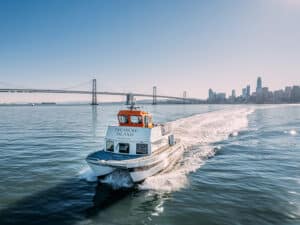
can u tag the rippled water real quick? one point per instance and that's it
(241, 166)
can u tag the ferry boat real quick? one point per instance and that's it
(137, 146)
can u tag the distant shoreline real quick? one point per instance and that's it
(121, 103)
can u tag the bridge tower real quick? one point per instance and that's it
(94, 92)
(154, 95)
(129, 99)
(184, 97)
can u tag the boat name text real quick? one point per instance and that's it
(125, 132)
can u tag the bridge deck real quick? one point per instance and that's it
(8, 90)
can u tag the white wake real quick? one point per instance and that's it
(198, 133)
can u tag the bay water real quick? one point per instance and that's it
(241, 165)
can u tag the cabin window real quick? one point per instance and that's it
(123, 147)
(123, 119)
(141, 148)
(136, 119)
(109, 145)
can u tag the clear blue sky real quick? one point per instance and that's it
(132, 45)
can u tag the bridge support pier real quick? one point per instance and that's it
(94, 92)
(154, 102)
(129, 99)
(184, 97)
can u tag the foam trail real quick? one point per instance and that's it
(198, 133)
(118, 179)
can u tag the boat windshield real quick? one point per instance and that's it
(136, 119)
(123, 119)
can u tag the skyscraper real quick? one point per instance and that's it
(258, 85)
(248, 91)
(210, 94)
(244, 92)
(233, 95)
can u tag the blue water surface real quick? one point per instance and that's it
(254, 178)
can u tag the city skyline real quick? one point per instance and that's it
(261, 94)
(133, 46)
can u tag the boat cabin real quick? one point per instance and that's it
(135, 134)
(135, 118)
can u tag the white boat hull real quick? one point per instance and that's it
(140, 168)
(100, 170)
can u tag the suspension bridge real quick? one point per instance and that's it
(94, 93)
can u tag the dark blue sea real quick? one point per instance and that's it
(241, 165)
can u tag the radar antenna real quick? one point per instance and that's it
(132, 105)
